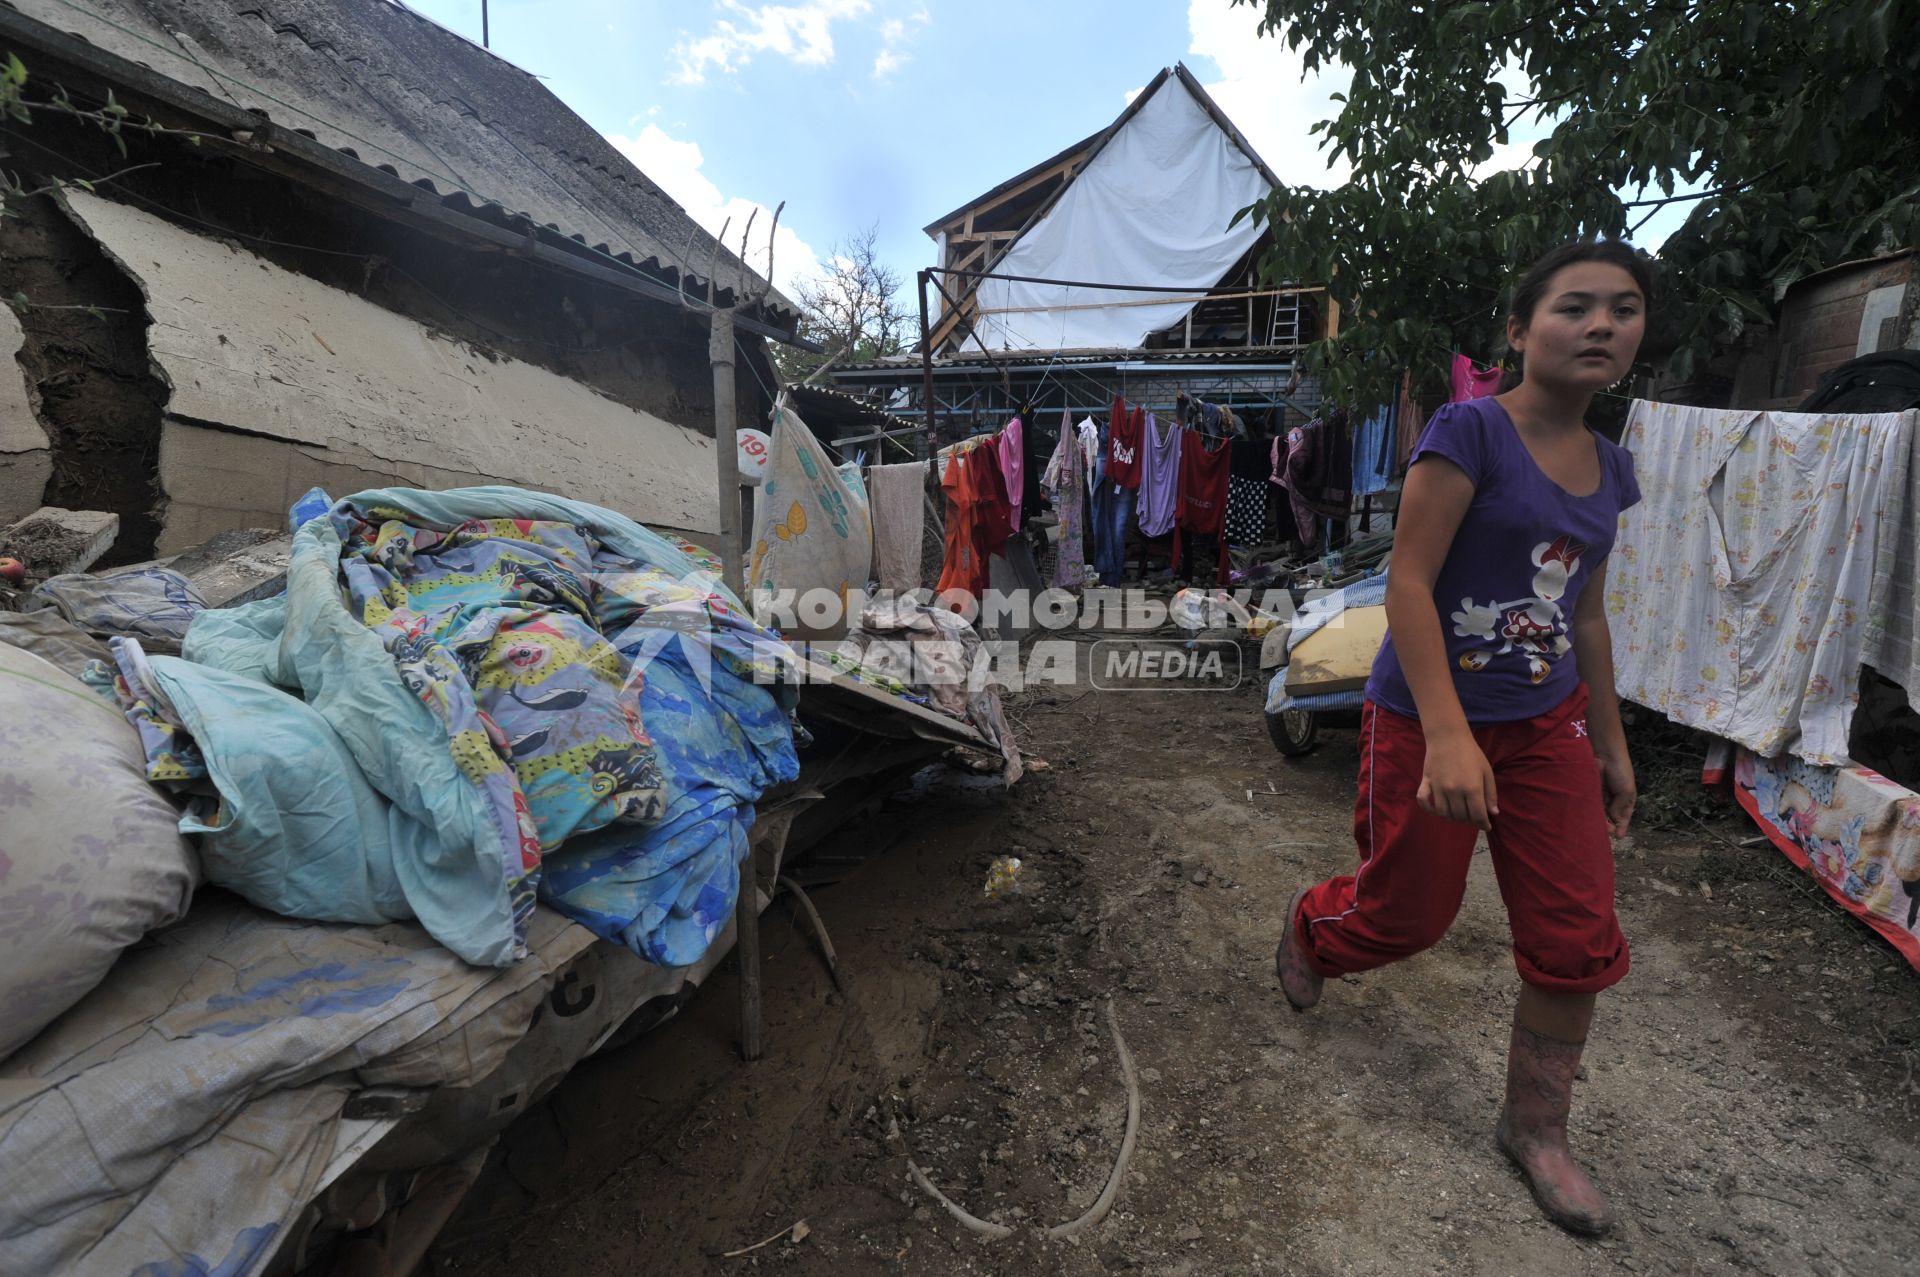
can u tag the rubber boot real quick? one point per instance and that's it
(1533, 1131)
(1298, 980)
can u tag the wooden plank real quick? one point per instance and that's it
(1060, 170)
(746, 921)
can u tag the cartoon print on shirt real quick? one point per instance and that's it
(1536, 626)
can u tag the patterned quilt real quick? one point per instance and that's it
(604, 713)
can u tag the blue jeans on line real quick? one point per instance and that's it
(1113, 516)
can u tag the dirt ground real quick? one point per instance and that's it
(1749, 1103)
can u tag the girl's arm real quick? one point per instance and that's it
(1457, 783)
(1593, 657)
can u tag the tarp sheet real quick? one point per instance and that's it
(182, 1114)
(1151, 208)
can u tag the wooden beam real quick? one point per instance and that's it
(970, 258)
(1060, 170)
(962, 264)
(982, 236)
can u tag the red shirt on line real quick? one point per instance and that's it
(1125, 432)
(1205, 466)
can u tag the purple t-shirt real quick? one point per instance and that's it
(1524, 551)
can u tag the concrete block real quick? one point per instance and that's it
(237, 567)
(51, 541)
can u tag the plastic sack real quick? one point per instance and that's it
(91, 856)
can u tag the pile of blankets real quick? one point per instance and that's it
(468, 700)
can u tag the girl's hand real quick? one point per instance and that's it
(1457, 784)
(1618, 791)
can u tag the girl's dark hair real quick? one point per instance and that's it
(1532, 287)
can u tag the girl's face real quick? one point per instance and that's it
(1585, 331)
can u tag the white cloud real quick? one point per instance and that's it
(895, 35)
(1262, 92)
(676, 165)
(802, 33)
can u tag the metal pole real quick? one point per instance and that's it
(486, 33)
(926, 361)
(726, 448)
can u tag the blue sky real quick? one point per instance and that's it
(886, 112)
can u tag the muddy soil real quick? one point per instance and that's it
(1749, 1100)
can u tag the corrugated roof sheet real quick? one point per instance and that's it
(398, 92)
(837, 406)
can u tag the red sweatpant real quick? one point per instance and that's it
(1551, 855)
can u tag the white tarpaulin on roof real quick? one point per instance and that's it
(1151, 208)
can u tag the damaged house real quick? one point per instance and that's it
(343, 247)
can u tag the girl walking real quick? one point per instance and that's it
(1491, 706)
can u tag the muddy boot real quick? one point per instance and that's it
(1533, 1131)
(1299, 981)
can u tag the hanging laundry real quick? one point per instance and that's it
(1334, 496)
(1123, 445)
(1470, 381)
(1159, 477)
(1247, 486)
(1065, 487)
(811, 528)
(1113, 508)
(1114, 502)
(1089, 452)
(1318, 470)
(1205, 467)
(1409, 421)
(898, 493)
(1246, 511)
(1303, 443)
(1211, 424)
(1010, 446)
(978, 516)
(1373, 452)
(1741, 587)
